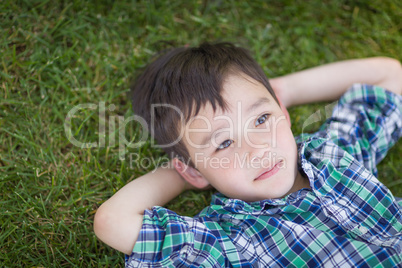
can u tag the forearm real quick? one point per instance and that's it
(118, 221)
(153, 189)
(328, 82)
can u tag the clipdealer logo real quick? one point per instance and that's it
(114, 128)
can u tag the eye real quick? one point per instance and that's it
(261, 120)
(225, 144)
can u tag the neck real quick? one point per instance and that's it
(300, 183)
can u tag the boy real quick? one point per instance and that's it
(282, 203)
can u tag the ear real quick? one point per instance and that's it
(190, 174)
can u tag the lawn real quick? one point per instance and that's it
(65, 73)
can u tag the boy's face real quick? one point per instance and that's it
(247, 152)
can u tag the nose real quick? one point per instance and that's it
(257, 142)
(257, 153)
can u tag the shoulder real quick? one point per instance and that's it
(365, 123)
(365, 112)
(363, 105)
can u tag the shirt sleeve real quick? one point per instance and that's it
(366, 122)
(167, 239)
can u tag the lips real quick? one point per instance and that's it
(272, 171)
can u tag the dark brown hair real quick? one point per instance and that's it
(188, 78)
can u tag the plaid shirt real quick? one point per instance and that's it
(347, 218)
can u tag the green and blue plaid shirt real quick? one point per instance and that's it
(347, 219)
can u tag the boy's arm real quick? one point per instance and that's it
(328, 82)
(118, 221)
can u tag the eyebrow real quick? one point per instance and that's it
(257, 104)
(209, 136)
(249, 109)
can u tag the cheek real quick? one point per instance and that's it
(222, 166)
(284, 133)
(220, 171)
(288, 147)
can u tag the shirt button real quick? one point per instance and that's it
(363, 229)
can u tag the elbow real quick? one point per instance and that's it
(398, 77)
(117, 228)
(102, 223)
(106, 226)
(106, 223)
(393, 78)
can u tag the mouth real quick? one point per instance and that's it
(267, 174)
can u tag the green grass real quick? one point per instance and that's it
(56, 55)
